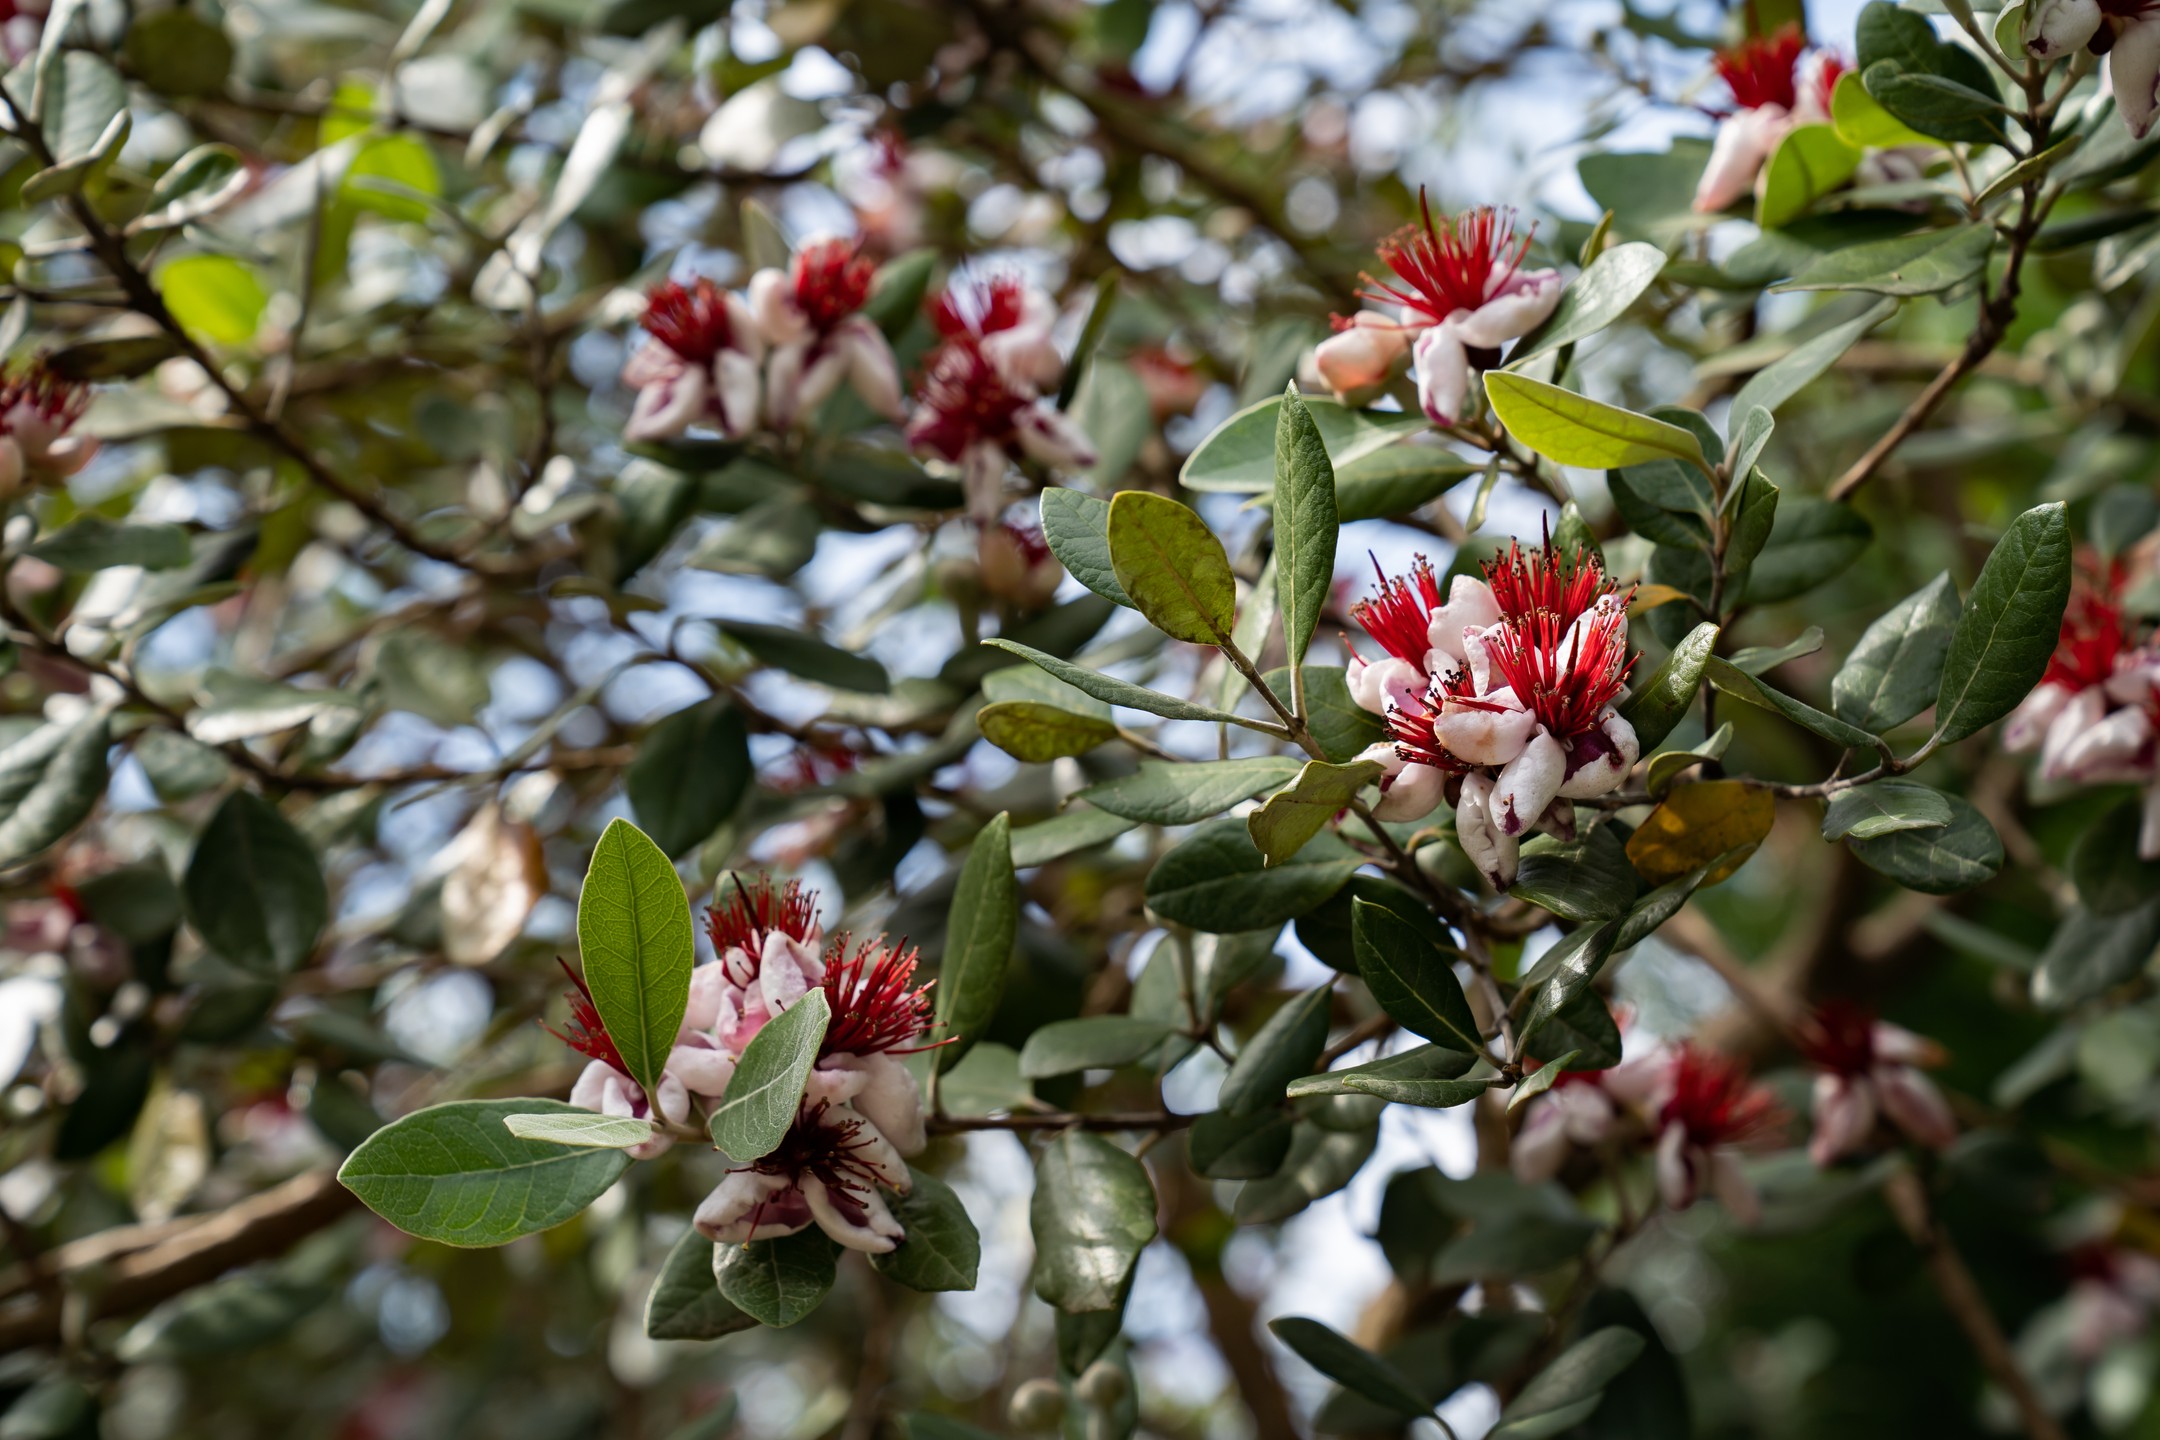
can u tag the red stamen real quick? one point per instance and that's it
(2094, 630)
(1839, 1037)
(827, 1150)
(56, 401)
(1399, 617)
(1762, 69)
(831, 280)
(1713, 1098)
(961, 400)
(1448, 265)
(875, 1008)
(588, 1035)
(979, 307)
(753, 912)
(690, 320)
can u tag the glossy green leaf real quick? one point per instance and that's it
(1091, 1042)
(1240, 455)
(1339, 725)
(1940, 860)
(1538, 1081)
(806, 657)
(1567, 1392)
(1743, 686)
(979, 933)
(1895, 670)
(1660, 701)
(634, 940)
(1351, 1365)
(1321, 1161)
(1397, 480)
(1224, 1146)
(1922, 264)
(1037, 733)
(254, 890)
(1172, 566)
(1884, 808)
(1412, 978)
(2105, 866)
(1076, 526)
(598, 1132)
(943, 1250)
(216, 298)
(1606, 290)
(1809, 163)
(778, 1282)
(1565, 972)
(1118, 692)
(1080, 827)
(1215, 880)
(2090, 954)
(1093, 1213)
(454, 1173)
(685, 1302)
(2001, 643)
(1792, 372)
(1165, 792)
(1305, 523)
(1861, 120)
(1588, 878)
(1293, 815)
(1810, 542)
(691, 771)
(1418, 1066)
(762, 1097)
(92, 542)
(1573, 429)
(1286, 1047)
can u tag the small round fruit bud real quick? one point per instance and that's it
(1036, 1405)
(1101, 1385)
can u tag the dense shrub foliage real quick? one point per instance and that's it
(939, 717)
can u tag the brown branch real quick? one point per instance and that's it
(256, 1228)
(1909, 1202)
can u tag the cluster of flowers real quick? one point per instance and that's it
(1778, 85)
(38, 411)
(1702, 1114)
(771, 355)
(861, 1111)
(2126, 31)
(983, 398)
(2095, 715)
(1499, 698)
(1462, 295)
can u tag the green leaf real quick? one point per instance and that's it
(1587, 878)
(1119, 692)
(50, 781)
(1351, 1365)
(1396, 481)
(393, 176)
(2001, 644)
(1240, 455)
(1300, 810)
(1321, 1161)
(691, 771)
(254, 891)
(1173, 567)
(1223, 1146)
(634, 941)
(1938, 105)
(92, 542)
(123, 357)
(592, 1132)
(1669, 765)
(1093, 1213)
(1404, 1072)
(2104, 863)
(1573, 429)
(1091, 334)
(2092, 954)
(1941, 860)
(942, 1250)
(216, 298)
(1759, 660)
(1809, 163)
(1922, 264)
(1305, 524)
(762, 1097)
(778, 1282)
(1339, 725)
(453, 1173)
(1583, 1031)
(1861, 120)
(1888, 34)
(237, 1312)
(1411, 978)
(1810, 541)
(1538, 1081)
(1884, 808)
(1606, 290)
(1567, 1392)
(1651, 194)
(1215, 880)
(1895, 670)
(807, 657)
(1170, 792)
(1091, 1042)
(1743, 686)
(1081, 827)
(979, 933)
(685, 1302)
(1660, 701)
(1285, 1048)
(1037, 733)
(82, 97)
(1565, 971)
(1077, 528)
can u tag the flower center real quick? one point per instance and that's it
(1840, 1038)
(690, 320)
(41, 391)
(2093, 634)
(1763, 70)
(963, 400)
(876, 1009)
(832, 279)
(1399, 617)
(588, 1034)
(1449, 265)
(979, 307)
(1712, 1099)
(755, 911)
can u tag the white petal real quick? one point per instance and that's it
(1541, 1147)
(725, 1216)
(590, 1091)
(1443, 373)
(708, 983)
(1915, 1106)
(871, 368)
(666, 408)
(743, 327)
(703, 1069)
(11, 466)
(1528, 784)
(1478, 736)
(1470, 605)
(1732, 1187)
(2134, 72)
(1738, 154)
(1494, 853)
(1377, 684)
(651, 362)
(2111, 750)
(2030, 721)
(2069, 725)
(1050, 437)
(1416, 792)
(2149, 828)
(773, 311)
(1516, 309)
(877, 1233)
(1675, 1173)
(891, 1100)
(736, 382)
(1844, 1111)
(1602, 772)
(1356, 363)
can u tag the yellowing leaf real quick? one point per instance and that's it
(1698, 823)
(1573, 429)
(214, 297)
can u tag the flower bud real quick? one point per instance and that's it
(1036, 1405)
(1102, 1385)
(2056, 27)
